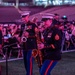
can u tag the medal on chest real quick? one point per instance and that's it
(49, 35)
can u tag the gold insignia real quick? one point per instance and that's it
(52, 46)
(57, 37)
(49, 35)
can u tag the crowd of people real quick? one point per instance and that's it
(46, 36)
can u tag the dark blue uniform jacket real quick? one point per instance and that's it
(53, 40)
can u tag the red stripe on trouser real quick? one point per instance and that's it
(31, 66)
(48, 67)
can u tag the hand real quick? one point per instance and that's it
(26, 34)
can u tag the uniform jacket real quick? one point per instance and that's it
(31, 40)
(53, 40)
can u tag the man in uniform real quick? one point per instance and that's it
(51, 49)
(27, 35)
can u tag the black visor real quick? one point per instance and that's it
(44, 19)
(23, 16)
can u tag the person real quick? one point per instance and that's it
(1, 42)
(28, 41)
(35, 20)
(56, 19)
(51, 48)
(6, 50)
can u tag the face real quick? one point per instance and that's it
(56, 17)
(26, 18)
(47, 23)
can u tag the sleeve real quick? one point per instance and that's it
(57, 39)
